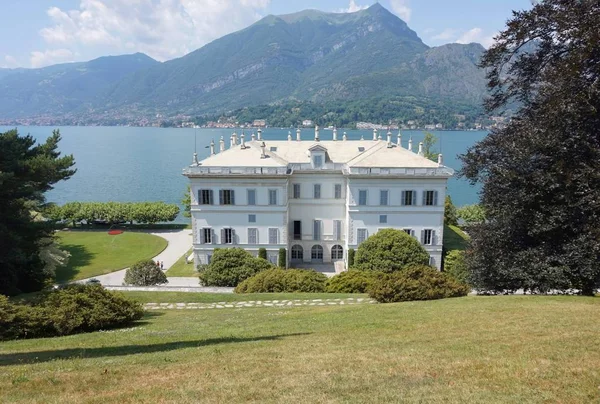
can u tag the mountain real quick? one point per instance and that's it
(309, 55)
(62, 88)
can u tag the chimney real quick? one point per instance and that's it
(259, 134)
(374, 134)
(316, 133)
(253, 136)
(263, 154)
(212, 147)
(344, 137)
(334, 134)
(440, 160)
(399, 139)
(289, 136)
(298, 134)
(221, 145)
(389, 139)
(421, 149)
(243, 141)
(410, 144)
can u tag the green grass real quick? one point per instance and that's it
(95, 252)
(505, 349)
(454, 238)
(181, 268)
(192, 297)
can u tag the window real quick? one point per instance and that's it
(317, 230)
(317, 191)
(272, 197)
(337, 191)
(383, 197)
(427, 236)
(382, 218)
(316, 253)
(252, 197)
(227, 236)
(361, 235)
(409, 198)
(318, 161)
(273, 236)
(251, 218)
(430, 198)
(297, 253)
(273, 148)
(337, 229)
(297, 230)
(337, 252)
(408, 231)
(252, 236)
(273, 258)
(226, 197)
(206, 235)
(296, 191)
(205, 197)
(362, 197)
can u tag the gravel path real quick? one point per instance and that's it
(259, 303)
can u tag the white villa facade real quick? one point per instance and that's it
(314, 198)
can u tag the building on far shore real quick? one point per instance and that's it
(315, 198)
(307, 123)
(259, 123)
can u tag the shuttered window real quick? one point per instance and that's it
(317, 230)
(317, 191)
(427, 237)
(272, 197)
(252, 197)
(205, 197)
(383, 197)
(362, 197)
(409, 198)
(206, 235)
(361, 235)
(227, 236)
(296, 191)
(337, 229)
(430, 198)
(337, 191)
(273, 236)
(252, 236)
(226, 197)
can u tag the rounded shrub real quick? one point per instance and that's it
(262, 253)
(145, 273)
(389, 250)
(417, 282)
(230, 266)
(455, 266)
(284, 280)
(351, 281)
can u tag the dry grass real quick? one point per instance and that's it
(473, 349)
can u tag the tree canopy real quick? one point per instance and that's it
(389, 250)
(540, 174)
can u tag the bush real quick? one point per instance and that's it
(455, 266)
(230, 266)
(389, 250)
(351, 253)
(262, 253)
(73, 309)
(418, 282)
(145, 273)
(281, 261)
(284, 280)
(351, 282)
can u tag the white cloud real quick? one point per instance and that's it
(401, 8)
(163, 29)
(9, 62)
(476, 35)
(352, 8)
(445, 35)
(50, 57)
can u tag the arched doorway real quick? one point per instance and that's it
(297, 253)
(316, 254)
(337, 252)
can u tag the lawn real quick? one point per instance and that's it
(95, 252)
(193, 297)
(181, 268)
(454, 238)
(506, 349)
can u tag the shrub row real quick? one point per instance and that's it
(73, 309)
(114, 212)
(277, 280)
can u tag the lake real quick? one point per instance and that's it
(144, 164)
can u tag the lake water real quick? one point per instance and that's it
(144, 164)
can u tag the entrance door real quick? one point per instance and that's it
(316, 254)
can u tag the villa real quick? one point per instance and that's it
(314, 198)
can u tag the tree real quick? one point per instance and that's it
(27, 171)
(187, 202)
(428, 142)
(230, 266)
(450, 216)
(145, 273)
(455, 265)
(389, 250)
(262, 253)
(540, 174)
(471, 214)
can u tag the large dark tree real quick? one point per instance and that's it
(27, 171)
(541, 173)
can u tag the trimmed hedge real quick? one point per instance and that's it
(73, 309)
(281, 261)
(230, 266)
(351, 281)
(351, 253)
(284, 280)
(145, 273)
(262, 253)
(389, 250)
(455, 266)
(419, 282)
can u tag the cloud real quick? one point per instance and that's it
(476, 35)
(352, 8)
(445, 35)
(9, 62)
(401, 8)
(163, 29)
(50, 57)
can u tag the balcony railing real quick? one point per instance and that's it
(418, 172)
(203, 170)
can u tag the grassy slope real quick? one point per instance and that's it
(475, 349)
(454, 238)
(181, 268)
(188, 297)
(95, 252)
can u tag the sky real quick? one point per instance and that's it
(38, 33)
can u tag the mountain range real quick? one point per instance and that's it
(309, 55)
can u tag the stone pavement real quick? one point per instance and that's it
(259, 303)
